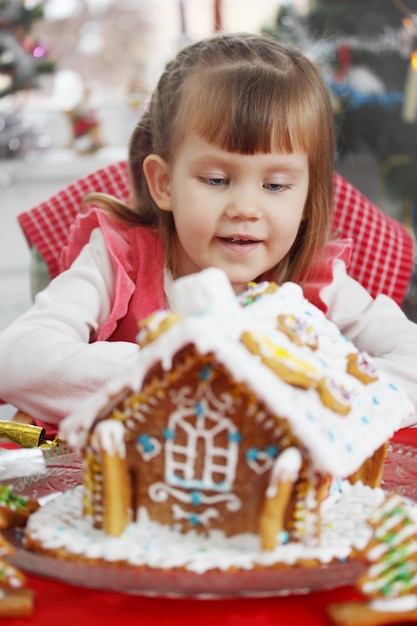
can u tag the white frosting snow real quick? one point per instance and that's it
(61, 524)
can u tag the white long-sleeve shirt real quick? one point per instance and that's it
(47, 364)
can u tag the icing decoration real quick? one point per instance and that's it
(10, 499)
(148, 447)
(299, 330)
(260, 461)
(286, 469)
(391, 552)
(109, 436)
(179, 458)
(361, 365)
(335, 395)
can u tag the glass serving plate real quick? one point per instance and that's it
(64, 472)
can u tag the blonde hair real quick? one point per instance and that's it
(245, 93)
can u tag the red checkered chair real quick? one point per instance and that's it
(382, 257)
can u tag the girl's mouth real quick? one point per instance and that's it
(240, 245)
(241, 241)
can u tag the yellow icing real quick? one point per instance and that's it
(281, 353)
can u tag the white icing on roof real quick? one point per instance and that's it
(214, 321)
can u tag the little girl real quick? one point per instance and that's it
(232, 167)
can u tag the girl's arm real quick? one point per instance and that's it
(377, 326)
(47, 364)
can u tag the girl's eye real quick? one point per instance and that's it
(214, 181)
(276, 187)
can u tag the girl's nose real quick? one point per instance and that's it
(243, 204)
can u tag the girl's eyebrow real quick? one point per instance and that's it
(280, 161)
(290, 168)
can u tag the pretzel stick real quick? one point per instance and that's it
(361, 614)
(16, 602)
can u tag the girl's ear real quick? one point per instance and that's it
(157, 176)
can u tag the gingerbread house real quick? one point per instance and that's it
(239, 415)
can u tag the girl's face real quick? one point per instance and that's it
(237, 212)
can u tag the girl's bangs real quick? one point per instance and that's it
(247, 110)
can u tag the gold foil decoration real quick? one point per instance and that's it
(47, 444)
(25, 435)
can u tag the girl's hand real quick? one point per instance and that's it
(22, 418)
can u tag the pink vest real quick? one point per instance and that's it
(321, 271)
(137, 255)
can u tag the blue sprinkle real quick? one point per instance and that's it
(205, 372)
(375, 400)
(236, 437)
(193, 519)
(196, 498)
(336, 487)
(145, 442)
(199, 411)
(252, 454)
(168, 433)
(284, 537)
(364, 419)
(394, 387)
(272, 451)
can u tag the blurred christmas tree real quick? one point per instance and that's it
(364, 49)
(22, 58)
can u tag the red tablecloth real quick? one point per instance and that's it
(59, 604)
(63, 605)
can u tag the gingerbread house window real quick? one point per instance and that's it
(196, 433)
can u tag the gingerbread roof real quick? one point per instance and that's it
(249, 336)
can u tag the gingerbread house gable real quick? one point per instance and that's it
(200, 448)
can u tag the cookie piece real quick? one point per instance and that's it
(299, 330)
(361, 365)
(334, 396)
(155, 325)
(291, 368)
(14, 509)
